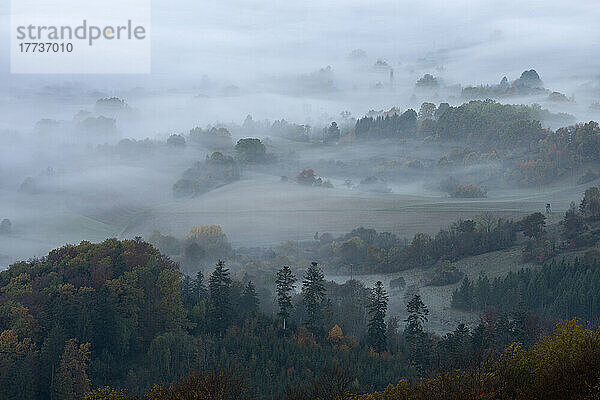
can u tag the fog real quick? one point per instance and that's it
(65, 178)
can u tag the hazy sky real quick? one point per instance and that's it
(269, 50)
(241, 41)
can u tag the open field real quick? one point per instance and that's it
(262, 211)
(257, 211)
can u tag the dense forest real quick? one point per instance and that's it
(480, 123)
(559, 290)
(120, 314)
(563, 365)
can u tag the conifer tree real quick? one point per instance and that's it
(414, 333)
(481, 292)
(220, 298)
(377, 306)
(313, 296)
(286, 282)
(417, 314)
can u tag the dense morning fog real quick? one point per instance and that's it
(300, 200)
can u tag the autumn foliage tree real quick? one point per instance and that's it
(72, 381)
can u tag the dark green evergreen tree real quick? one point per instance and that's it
(313, 296)
(415, 335)
(220, 299)
(417, 314)
(286, 282)
(195, 297)
(378, 301)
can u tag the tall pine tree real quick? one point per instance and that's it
(220, 299)
(416, 337)
(313, 296)
(286, 282)
(378, 301)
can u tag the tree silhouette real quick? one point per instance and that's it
(220, 298)
(416, 337)
(286, 282)
(313, 294)
(333, 132)
(199, 289)
(378, 301)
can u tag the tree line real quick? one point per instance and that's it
(370, 251)
(559, 290)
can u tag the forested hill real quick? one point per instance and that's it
(108, 301)
(119, 313)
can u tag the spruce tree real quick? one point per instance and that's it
(313, 296)
(415, 335)
(187, 292)
(378, 301)
(286, 282)
(220, 298)
(417, 314)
